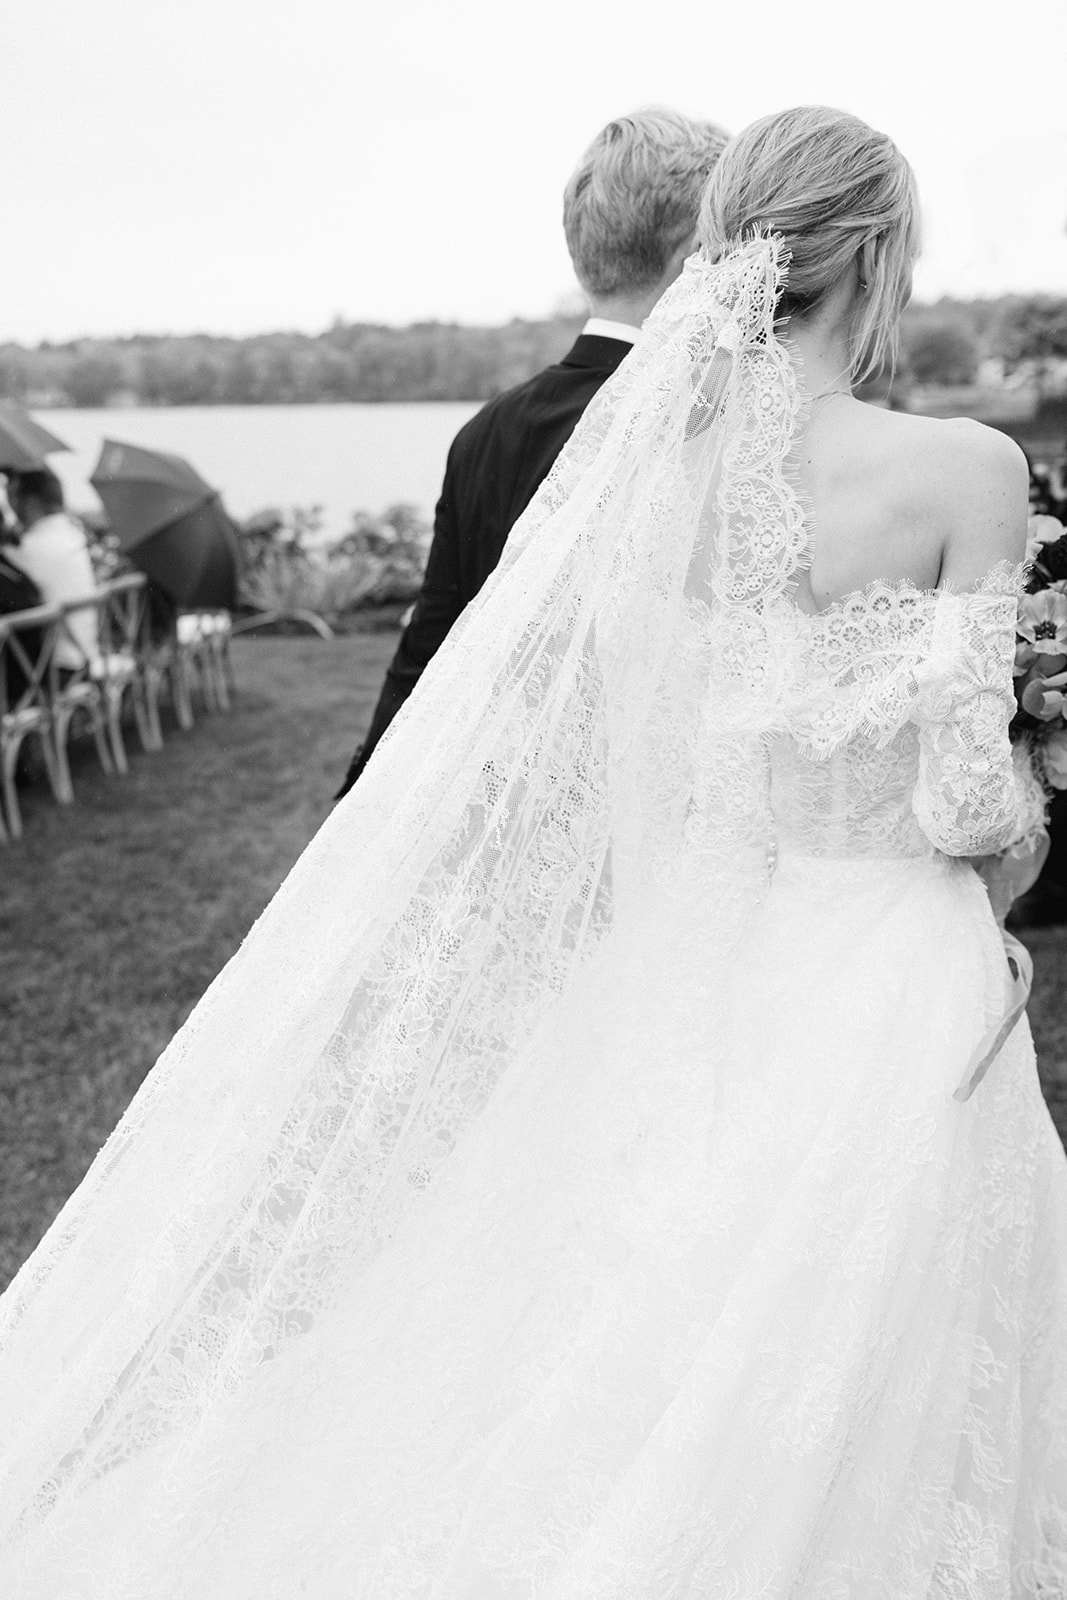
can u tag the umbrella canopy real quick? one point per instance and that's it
(23, 442)
(170, 522)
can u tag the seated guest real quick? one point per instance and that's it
(18, 592)
(54, 551)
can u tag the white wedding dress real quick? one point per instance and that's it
(705, 1282)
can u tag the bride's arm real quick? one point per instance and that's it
(967, 799)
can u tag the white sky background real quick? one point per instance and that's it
(244, 165)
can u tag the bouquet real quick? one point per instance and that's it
(1041, 653)
(1039, 726)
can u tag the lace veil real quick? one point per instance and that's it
(592, 732)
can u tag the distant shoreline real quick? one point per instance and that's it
(983, 343)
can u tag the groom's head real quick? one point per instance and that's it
(630, 208)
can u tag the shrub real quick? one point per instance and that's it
(379, 561)
(389, 552)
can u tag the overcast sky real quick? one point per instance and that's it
(242, 165)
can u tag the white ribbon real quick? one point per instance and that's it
(1021, 968)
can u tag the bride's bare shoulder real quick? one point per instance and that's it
(953, 447)
(966, 480)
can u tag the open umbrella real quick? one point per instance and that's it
(170, 522)
(23, 442)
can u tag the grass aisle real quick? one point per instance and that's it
(115, 915)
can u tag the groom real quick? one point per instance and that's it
(629, 214)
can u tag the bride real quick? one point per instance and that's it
(609, 1170)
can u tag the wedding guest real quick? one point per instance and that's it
(54, 551)
(18, 592)
(629, 216)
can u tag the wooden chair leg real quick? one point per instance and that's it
(222, 688)
(150, 687)
(149, 734)
(5, 836)
(180, 693)
(219, 676)
(11, 799)
(99, 732)
(51, 765)
(207, 678)
(227, 666)
(113, 713)
(60, 733)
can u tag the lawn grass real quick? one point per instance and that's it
(116, 913)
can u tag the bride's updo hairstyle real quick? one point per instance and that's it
(829, 184)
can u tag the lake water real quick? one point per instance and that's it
(344, 458)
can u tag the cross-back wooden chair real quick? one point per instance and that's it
(219, 639)
(122, 669)
(27, 671)
(204, 645)
(77, 693)
(97, 684)
(165, 668)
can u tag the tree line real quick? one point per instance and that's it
(350, 361)
(945, 343)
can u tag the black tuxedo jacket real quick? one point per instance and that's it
(497, 462)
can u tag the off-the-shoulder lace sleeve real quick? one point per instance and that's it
(966, 799)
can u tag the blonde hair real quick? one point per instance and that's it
(634, 198)
(830, 185)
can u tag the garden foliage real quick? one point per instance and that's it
(287, 566)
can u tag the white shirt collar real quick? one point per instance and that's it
(603, 328)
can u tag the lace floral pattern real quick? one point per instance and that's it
(895, 723)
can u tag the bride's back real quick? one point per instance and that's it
(891, 498)
(903, 500)
(915, 527)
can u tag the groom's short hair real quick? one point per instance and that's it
(634, 198)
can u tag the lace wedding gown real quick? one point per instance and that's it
(709, 1280)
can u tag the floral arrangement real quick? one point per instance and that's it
(1041, 652)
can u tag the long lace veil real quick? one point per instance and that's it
(593, 729)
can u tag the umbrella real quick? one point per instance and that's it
(23, 442)
(170, 522)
